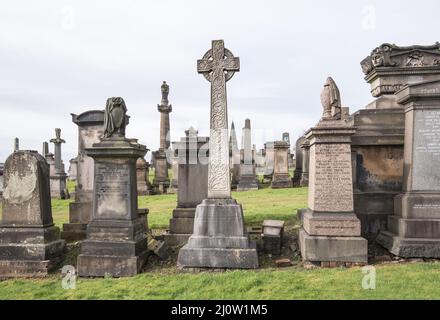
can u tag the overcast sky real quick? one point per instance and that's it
(62, 57)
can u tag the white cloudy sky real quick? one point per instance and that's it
(61, 57)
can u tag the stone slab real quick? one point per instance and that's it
(331, 224)
(409, 247)
(340, 249)
(218, 258)
(28, 268)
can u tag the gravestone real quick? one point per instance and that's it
(143, 181)
(174, 183)
(234, 157)
(161, 180)
(116, 243)
(219, 239)
(305, 146)
(286, 138)
(272, 236)
(298, 162)
(269, 155)
(192, 152)
(58, 177)
(281, 177)
(331, 232)
(414, 229)
(248, 179)
(90, 129)
(378, 144)
(73, 169)
(30, 244)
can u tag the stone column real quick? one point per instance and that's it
(45, 149)
(16, 144)
(281, 177)
(30, 244)
(161, 180)
(304, 182)
(219, 239)
(234, 157)
(414, 229)
(58, 177)
(248, 179)
(90, 130)
(192, 152)
(116, 241)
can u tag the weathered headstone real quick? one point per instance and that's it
(192, 152)
(298, 162)
(30, 244)
(269, 155)
(73, 169)
(143, 181)
(281, 177)
(378, 144)
(58, 177)
(234, 157)
(331, 231)
(414, 229)
(272, 236)
(116, 243)
(219, 239)
(90, 129)
(161, 180)
(248, 179)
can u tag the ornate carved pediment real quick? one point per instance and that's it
(391, 55)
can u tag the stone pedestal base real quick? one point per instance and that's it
(304, 182)
(58, 187)
(219, 239)
(296, 178)
(331, 237)
(113, 247)
(79, 216)
(413, 231)
(247, 182)
(161, 187)
(331, 248)
(181, 226)
(144, 189)
(29, 252)
(281, 181)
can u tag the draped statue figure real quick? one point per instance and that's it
(114, 117)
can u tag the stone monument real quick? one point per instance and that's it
(192, 152)
(58, 176)
(248, 179)
(234, 157)
(30, 244)
(269, 157)
(116, 243)
(174, 184)
(2, 165)
(281, 177)
(16, 144)
(286, 138)
(90, 129)
(378, 144)
(73, 169)
(143, 181)
(161, 180)
(414, 229)
(331, 232)
(305, 146)
(219, 239)
(298, 162)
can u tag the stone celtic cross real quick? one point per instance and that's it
(218, 65)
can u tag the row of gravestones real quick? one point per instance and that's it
(354, 163)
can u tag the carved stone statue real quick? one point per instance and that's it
(114, 117)
(165, 88)
(331, 100)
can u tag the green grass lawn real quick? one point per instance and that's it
(162, 280)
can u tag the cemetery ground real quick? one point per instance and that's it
(395, 279)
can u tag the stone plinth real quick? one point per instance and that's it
(281, 177)
(414, 229)
(90, 130)
(30, 244)
(192, 152)
(161, 181)
(116, 241)
(219, 239)
(331, 231)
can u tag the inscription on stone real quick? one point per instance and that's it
(426, 150)
(112, 188)
(333, 178)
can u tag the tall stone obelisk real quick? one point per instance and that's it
(248, 179)
(161, 180)
(219, 239)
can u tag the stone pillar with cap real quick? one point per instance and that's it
(248, 179)
(58, 177)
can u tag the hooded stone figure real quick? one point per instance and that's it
(331, 100)
(114, 117)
